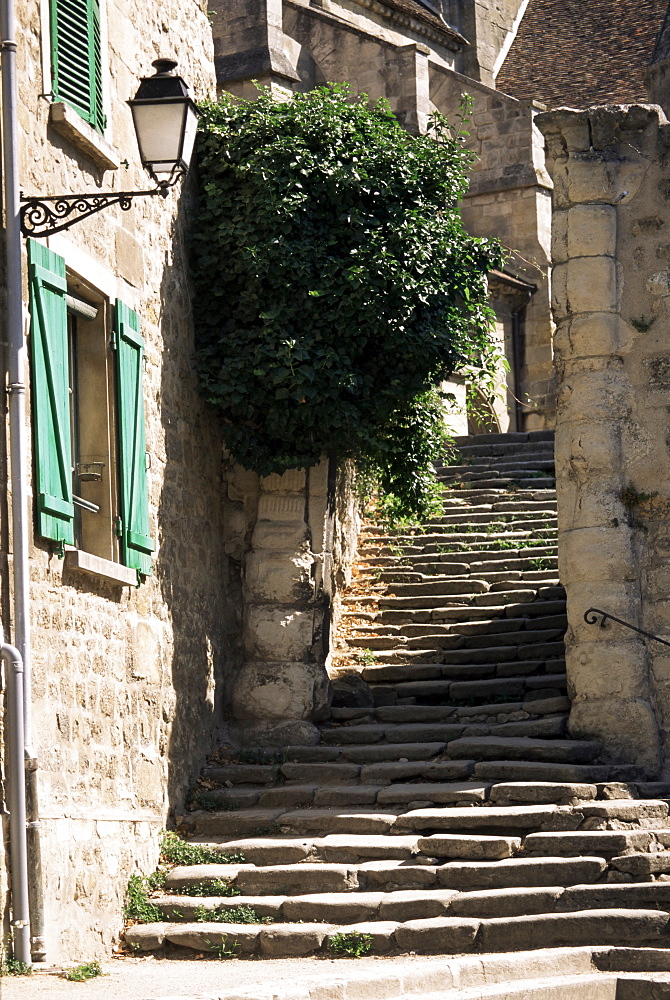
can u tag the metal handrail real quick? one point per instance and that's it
(591, 618)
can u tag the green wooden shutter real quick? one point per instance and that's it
(136, 543)
(76, 57)
(50, 394)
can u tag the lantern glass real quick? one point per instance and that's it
(165, 120)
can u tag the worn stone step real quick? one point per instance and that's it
(593, 927)
(301, 822)
(526, 749)
(542, 792)
(392, 733)
(516, 902)
(501, 482)
(369, 754)
(522, 872)
(606, 843)
(331, 849)
(480, 847)
(243, 774)
(437, 935)
(528, 770)
(440, 586)
(387, 772)
(444, 793)
(500, 632)
(484, 819)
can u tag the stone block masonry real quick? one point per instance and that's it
(127, 681)
(611, 303)
(293, 537)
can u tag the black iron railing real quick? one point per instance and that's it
(591, 618)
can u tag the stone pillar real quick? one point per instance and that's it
(611, 431)
(409, 89)
(250, 47)
(281, 686)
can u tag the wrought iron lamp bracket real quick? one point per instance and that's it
(49, 214)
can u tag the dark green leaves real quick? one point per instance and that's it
(335, 284)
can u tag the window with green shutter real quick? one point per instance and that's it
(87, 399)
(76, 58)
(50, 394)
(136, 543)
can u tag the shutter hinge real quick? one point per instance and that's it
(113, 341)
(59, 548)
(118, 527)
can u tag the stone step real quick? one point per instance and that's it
(434, 680)
(368, 754)
(437, 935)
(501, 482)
(520, 872)
(546, 824)
(477, 634)
(474, 497)
(502, 512)
(413, 904)
(527, 770)
(498, 747)
(299, 822)
(291, 795)
(503, 464)
(460, 736)
(516, 902)
(517, 438)
(525, 599)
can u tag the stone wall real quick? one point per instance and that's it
(510, 198)
(611, 301)
(292, 538)
(127, 681)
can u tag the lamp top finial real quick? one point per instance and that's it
(164, 67)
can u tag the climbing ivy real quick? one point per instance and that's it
(334, 283)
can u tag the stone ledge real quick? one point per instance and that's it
(102, 569)
(64, 120)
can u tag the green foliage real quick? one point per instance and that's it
(242, 914)
(180, 852)
(212, 887)
(138, 908)
(632, 497)
(12, 967)
(223, 950)
(81, 973)
(367, 657)
(335, 285)
(642, 324)
(353, 945)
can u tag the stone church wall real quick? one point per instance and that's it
(611, 301)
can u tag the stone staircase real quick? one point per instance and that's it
(445, 810)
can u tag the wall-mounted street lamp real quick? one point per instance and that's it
(165, 120)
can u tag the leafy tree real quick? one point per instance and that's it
(335, 284)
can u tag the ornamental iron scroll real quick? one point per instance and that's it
(591, 618)
(49, 214)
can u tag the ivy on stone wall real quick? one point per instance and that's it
(335, 285)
